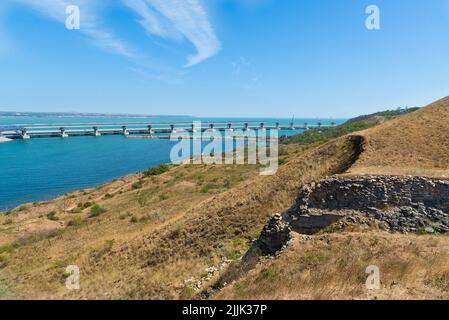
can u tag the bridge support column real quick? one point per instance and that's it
(96, 132)
(245, 127)
(24, 134)
(195, 127)
(230, 127)
(306, 126)
(63, 133)
(172, 128)
(212, 127)
(277, 125)
(150, 129)
(125, 131)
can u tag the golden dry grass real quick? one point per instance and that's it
(164, 231)
(332, 266)
(413, 144)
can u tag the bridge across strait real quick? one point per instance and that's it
(139, 128)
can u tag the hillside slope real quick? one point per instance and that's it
(414, 144)
(331, 263)
(151, 237)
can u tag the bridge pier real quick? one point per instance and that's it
(245, 127)
(150, 130)
(212, 127)
(172, 128)
(195, 127)
(306, 126)
(63, 133)
(292, 126)
(230, 127)
(96, 132)
(277, 125)
(24, 134)
(125, 131)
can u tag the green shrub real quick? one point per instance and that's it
(22, 208)
(158, 170)
(75, 222)
(4, 261)
(163, 197)
(6, 248)
(75, 210)
(52, 216)
(8, 222)
(137, 185)
(87, 204)
(208, 187)
(108, 196)
(96, 210)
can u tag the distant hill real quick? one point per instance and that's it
(324, 134)
(77, 114)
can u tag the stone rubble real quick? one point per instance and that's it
(403, 204)
(275, 235)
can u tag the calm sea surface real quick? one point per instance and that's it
(42, 169)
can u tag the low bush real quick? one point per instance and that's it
(158, 170)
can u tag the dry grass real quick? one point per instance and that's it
(414, 144)
(158, 232)
(332, 266)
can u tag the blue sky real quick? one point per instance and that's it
(258, 58)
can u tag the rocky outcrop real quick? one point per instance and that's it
(274, 236)
(364, 192)
(401, 203)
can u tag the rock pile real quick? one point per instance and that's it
(274, 236)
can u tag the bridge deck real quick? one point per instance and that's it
(98, 129)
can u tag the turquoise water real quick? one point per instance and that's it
(42, 169)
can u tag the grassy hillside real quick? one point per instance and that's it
(413, 144)
(317, 136)
(155, 235)
(152, 237)
(332, 266)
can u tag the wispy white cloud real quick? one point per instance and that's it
(56, 10)
(174, 19)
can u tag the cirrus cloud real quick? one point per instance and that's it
(172, 20)
(175, 19)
